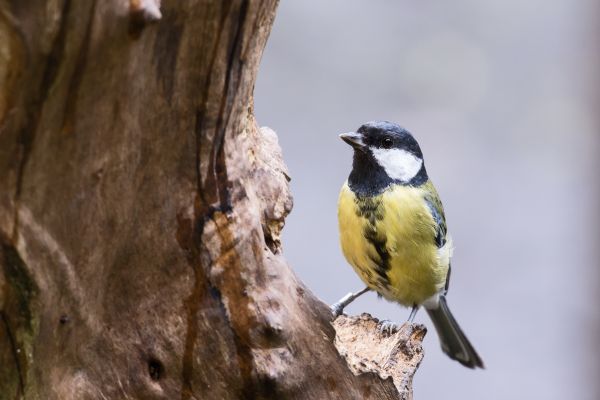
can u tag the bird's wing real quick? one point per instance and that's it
(437, 212)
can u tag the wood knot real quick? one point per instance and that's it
(155, 369)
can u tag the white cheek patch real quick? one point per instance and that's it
(398, 164)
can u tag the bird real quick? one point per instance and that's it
(393, 232)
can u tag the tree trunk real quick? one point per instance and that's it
(140, 212)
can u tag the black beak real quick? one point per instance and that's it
(354, 139)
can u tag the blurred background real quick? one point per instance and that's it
(503, 98)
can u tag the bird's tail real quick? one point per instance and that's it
(454, 342)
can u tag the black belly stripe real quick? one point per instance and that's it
(382, 259)
(371, 209)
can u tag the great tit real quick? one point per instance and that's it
(393, 231)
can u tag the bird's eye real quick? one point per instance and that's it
(386, 143)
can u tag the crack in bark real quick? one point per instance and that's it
(209, 204)
(226, 107)
(218, 178)
(200, 114)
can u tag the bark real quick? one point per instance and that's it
(140, 213)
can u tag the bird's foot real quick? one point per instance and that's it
(387, 327)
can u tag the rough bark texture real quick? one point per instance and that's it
(140, 211)
(367, 348)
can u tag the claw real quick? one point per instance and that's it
(388, 328)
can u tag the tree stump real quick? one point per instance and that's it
(140, 213)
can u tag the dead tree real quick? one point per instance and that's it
(140, 212)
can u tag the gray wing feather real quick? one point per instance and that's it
(440, 221)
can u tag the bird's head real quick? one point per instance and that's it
(387, 147)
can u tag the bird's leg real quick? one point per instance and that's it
(338, 307)
(413, 313)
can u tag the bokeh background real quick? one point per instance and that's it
(503, 97)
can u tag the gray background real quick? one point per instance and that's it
(502, 97)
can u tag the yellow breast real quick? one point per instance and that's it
(389, 240)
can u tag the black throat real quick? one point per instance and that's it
(368, 178)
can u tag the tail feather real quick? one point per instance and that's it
(454, 342)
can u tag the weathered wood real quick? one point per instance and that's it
(367, 347)
(140, 212)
